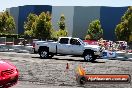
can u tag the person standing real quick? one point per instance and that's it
(110, 45)
(124, 45)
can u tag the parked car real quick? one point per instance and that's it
(8, 74)
(69, 46)
(91, 42)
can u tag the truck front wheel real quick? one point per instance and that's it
(44, 54)
(89, 56)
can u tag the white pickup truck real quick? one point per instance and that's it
(69, 46)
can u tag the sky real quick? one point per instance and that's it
(114, 3)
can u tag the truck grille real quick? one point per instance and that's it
(7, 72)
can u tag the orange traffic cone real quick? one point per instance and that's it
(67, 66)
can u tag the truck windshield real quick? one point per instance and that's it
(81, 42)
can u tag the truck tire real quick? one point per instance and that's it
(89, 56)
(44, 54)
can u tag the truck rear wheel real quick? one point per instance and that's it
(44, 54)
(89, 56)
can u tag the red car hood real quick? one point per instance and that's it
(5, 66)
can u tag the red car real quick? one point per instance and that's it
(8, 74)
(91, 42)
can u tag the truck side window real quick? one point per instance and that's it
(63, 41)
(74, 42)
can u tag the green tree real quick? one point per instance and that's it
(61, 22)
(62, 32)
(123, 30)
(7, 23)
(94, 30)
(38, 26)
(87, 37)
(43, 26)
(29, 25)
(53, 34)
(1, 23)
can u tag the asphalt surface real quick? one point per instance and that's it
(52, 73)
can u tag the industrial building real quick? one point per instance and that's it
(77, 17)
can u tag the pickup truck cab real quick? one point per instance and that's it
(69, 46)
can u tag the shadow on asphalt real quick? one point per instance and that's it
(98, 62)
(71, 60)
(120, 60)
(62, 59)
(75, 56)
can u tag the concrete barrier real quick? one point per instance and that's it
(15, 48)
(129, 56)
(120, 55)
(6, 48)
(14, 54)
(22, 49)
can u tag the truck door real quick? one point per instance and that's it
(75, 47)
(63, 45)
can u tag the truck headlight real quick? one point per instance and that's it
(96, 53)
